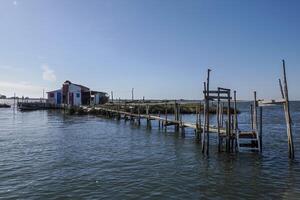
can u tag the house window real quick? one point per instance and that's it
(51, 95)
(78, 95)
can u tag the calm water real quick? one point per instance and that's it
(49, 155)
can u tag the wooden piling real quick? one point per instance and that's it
(159, 122)
(218, 120)
(251, 116)
(207, 111)
(235, 125)
(176, 115)
(204, 129)
(229, 133)
(287, 114)
(166, 117)
(260, 127)
(255, 112)
(139, 116)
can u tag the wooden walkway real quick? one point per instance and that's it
(161, 120)
(228, 133)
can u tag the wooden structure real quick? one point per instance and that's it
(230, 137)
(286, 105)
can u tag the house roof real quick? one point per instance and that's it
(97, 92)
(81, 86)
(58, 90)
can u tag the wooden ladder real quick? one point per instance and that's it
(248, 141)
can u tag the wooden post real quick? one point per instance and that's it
(218, 121)
(166, 117)
(228, 137)
(222, 115)
(159, 120)
(181, 122)
(227, 133)
(200, 116)
(207, 113)
(251, 116)
(255, 112)
(197, 124)
(287, 114)
(176, 115)
(204, 129)
(139, 116)
(260, 127)
(235, 125)
(235, 113)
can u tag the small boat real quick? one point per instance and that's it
(28, 107)
(4, 105)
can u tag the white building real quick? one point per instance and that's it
(76, 95)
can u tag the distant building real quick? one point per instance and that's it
(76, 95)
(2, 96)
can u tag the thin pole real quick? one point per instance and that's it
(204, 126)
(218, 121)
(207, 113)
(260, 127)
(228, 121)
(251, 116)
(166, 117)
(287, 114)
(235, 112)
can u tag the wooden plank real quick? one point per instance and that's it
(221, 97)
(216, 92)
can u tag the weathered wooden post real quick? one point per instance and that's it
(251, 116)
(148, 117)
(204, 125)
(235, 125)
(260, 127)
(181, 122)
(139, 116)
(222, 115)
(176, 115)
(255, 112)
(198, 126)
(166, 117)
(207, 113)
(159, 122)
(218, 121)
(228, 136)
(287, 113)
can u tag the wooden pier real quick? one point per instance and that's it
(230, 137)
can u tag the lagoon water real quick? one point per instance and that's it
(49, 155)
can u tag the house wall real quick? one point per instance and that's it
(53, 97)
(76, 91)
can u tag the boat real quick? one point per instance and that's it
(4, 105)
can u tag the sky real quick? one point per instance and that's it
(161, 48)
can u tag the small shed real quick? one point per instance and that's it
(98, 97)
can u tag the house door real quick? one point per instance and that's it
(71, 98)
(58, 99)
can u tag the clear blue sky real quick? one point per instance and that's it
(162, 48)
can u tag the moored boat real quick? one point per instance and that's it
(4, 105)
